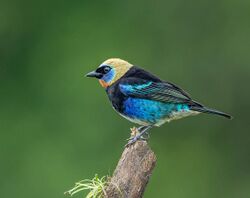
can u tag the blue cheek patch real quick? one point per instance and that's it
(109, 76)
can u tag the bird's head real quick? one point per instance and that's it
(110, 71)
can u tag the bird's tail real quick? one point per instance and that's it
(203, 109)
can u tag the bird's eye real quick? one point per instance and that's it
(106, 69)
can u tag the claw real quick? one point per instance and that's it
(131, 141)
(128, 139)
(143, 138)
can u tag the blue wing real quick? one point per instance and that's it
(158, 91)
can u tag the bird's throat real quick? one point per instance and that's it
(103, 83)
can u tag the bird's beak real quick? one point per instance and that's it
(94, 74)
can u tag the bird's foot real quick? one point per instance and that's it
(132, 140)
(138, 134)
(142, 137)
(136, 131)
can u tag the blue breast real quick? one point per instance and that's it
(150, 111)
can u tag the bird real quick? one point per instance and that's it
(145, 99)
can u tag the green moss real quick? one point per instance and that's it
(95, 186)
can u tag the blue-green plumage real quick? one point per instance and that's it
(150, 111)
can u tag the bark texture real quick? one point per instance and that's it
(133, 171)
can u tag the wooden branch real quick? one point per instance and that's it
(133, 171)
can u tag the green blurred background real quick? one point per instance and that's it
(57, 127)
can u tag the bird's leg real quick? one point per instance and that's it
(141, 128)
(145, 135)
(138, 136)
(135, 131)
